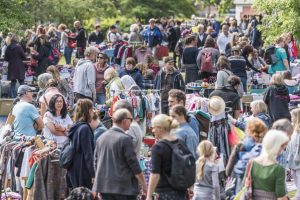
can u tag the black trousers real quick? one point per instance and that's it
(118, 197)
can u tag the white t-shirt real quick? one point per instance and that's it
(49, 118)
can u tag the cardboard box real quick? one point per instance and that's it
(247, 99)
(6, 106)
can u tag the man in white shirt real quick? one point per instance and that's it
(223, 39)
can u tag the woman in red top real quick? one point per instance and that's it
(100, 67)
(292, 47)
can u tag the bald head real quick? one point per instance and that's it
(122, 118)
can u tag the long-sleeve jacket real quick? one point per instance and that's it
(153, 36)
(177, 82)
(81, 171)
(116, 164)
(84, 78)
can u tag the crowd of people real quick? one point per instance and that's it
(146, 94)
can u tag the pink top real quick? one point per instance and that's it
(50, 92)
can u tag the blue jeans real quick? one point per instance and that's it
(13, 83)
(68, 55)
(244, 82)
(100, 98)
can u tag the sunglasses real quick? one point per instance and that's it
(100, 57)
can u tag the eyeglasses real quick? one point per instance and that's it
(59, 101)
(100, 57)
(131, 119)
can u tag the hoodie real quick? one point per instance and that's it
(85, 78)
(81, 171)
(135, 75)
(277, 99)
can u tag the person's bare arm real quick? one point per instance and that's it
(140, 177)
(154, 178)
(286, 64)
(39, 123)
(54, 130)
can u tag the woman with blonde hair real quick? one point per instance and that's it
(161, 159)
(207, 184)
(63, 85)
(114, 85)
(268, 177)
(277, 98)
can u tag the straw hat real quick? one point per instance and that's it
(216, 105)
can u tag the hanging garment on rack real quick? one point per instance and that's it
(49, 180)
(218, 135)
(141, 52)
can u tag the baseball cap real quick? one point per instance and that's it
(24, 88)
(168, 59)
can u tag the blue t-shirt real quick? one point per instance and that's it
(187, 134)
(280, 55)
(25, 114)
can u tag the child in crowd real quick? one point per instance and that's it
(150, 61)
(294, 151)
(148, 81)
(207, 184)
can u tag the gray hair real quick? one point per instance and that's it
(91, 50)
(43, 80)
(123, 104)
(259, 106)
(283, 125)
(120, 115)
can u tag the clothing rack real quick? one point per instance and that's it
(150, 90)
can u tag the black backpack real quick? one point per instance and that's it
(66, 154)
(269, 55)
(183, 168)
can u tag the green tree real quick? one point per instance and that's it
(143, 10)
(13, 16)
(281, 16)
(222, 5)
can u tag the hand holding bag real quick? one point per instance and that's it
(246, 191)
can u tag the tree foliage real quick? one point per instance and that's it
(222, 5)
(144, 10)
(281, 16)
(12, 15)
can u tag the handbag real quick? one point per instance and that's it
(246, 192)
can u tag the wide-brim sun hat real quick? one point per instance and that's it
(216, 105)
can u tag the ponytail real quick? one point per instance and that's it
(200, 167)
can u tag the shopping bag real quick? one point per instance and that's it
(246, 192)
